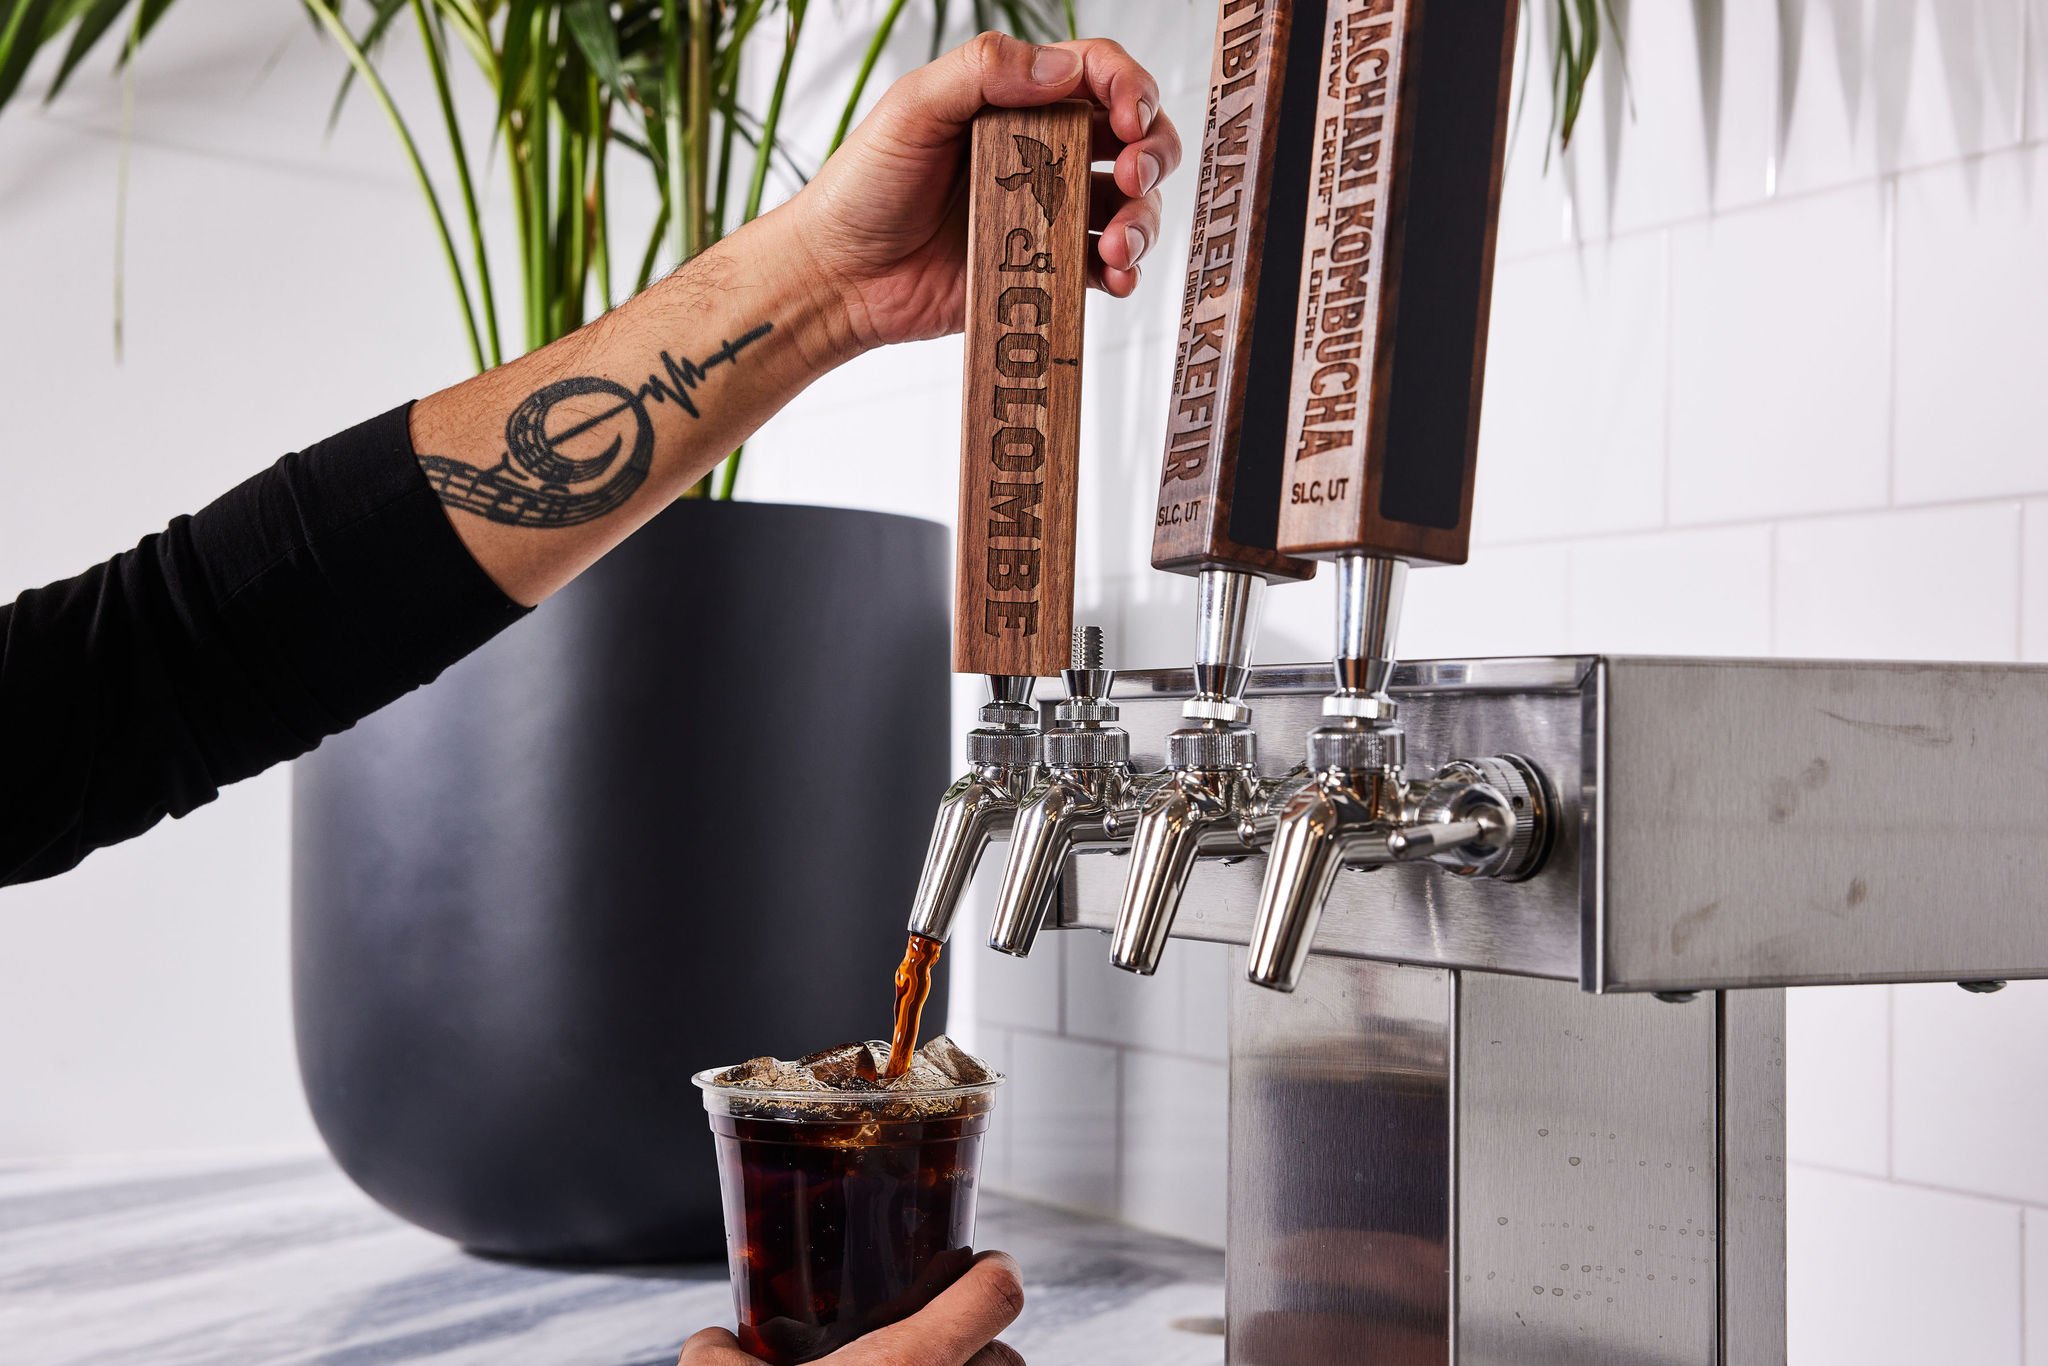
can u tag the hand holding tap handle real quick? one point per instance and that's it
(1383, 430)
(1013, 605)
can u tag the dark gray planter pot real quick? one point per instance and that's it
(671, 820)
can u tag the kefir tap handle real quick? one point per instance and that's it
(1027, 273)
(1220, 478)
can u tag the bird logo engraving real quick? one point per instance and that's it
(1043, 172)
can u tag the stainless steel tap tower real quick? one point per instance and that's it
(1507, 1056)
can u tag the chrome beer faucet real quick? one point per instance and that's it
(981, 805)
(1210, 799)
(1490, 817)
(1085, 795)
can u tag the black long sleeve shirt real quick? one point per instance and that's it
(285, 611)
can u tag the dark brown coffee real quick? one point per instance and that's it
(913, 988)
(836, 1229)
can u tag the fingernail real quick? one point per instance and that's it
(1134, 244)
(1148, 172)
(1055, 66)
(1145, 113)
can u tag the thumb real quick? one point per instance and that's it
(956, 1326)
(934, 103)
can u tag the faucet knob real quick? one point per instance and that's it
(1195, 748)
(1525, 807)
(1087, 748)
(1356, 748)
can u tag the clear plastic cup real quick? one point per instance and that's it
(844, 1211)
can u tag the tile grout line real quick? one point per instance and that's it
(1924, 1187)
(1771, 589)
(1890, 192)
(1581, 243)
(1650, 532)
(1891, 1082)
(1116, 1171)
(2019, 626)
(1670, 361)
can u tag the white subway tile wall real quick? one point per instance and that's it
(1892, 1275)
(1766, 377)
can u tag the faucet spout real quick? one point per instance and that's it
(1084, 794)
(1321, 826)
(978, 808)
(1190, 812)
(1070, 807)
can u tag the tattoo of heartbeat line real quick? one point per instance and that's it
(538, 482)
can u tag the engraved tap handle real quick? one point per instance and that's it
(1396, 277)
(1027, 273)
(1219, 482)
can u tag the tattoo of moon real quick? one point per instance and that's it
(563, 445)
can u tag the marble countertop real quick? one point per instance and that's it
(255, 1262)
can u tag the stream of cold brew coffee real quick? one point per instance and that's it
(913, 985)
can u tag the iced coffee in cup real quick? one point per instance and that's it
(848, 1193)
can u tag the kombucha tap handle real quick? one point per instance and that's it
(1383, 416)
(1020, 420)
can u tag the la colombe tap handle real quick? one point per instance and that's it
(1020, 419)
(1020, 414)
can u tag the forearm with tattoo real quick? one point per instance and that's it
(546, 463)
(561, 461)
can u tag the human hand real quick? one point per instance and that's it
(957, 1328)
(885, 220)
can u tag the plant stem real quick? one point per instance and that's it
(331, 21)
(600, 218)
(647, 258)
(764, 149)
(696, 200)
(540, 314)
(697, 228)
(432, 38)
(672, 128)
(569, 210)
(867, 68)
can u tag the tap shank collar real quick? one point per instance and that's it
(1355, 748)
(1212, 748)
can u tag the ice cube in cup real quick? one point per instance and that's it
(849, 1202)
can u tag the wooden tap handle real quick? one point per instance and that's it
(1219, 485)
(1396, 278)
(1020, 420)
